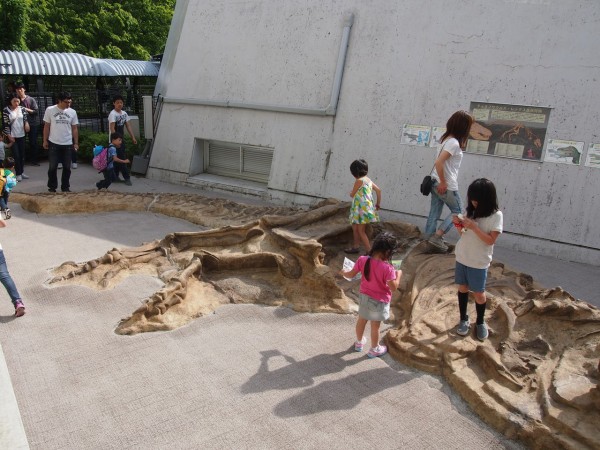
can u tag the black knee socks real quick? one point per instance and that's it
(463, 300)
(480, 308)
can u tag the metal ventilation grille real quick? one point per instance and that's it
(240, 161)
(224, 158)
(257, 160)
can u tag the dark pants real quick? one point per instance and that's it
(59, 154)
(32, 136)
(109, 176)
(120, 167)
(18, 151)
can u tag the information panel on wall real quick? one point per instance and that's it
(512, 131)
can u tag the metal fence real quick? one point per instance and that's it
(94, 105)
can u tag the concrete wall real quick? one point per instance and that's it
(407, 62)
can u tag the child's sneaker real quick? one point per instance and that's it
(482, 331)
(358, 345)
(463, 327)
(19, 309)
(380, 350)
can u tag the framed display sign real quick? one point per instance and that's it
(415, 134)
(511, 131)
(593, 156)
(563, 151)
(436, 136)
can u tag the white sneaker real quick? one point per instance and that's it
(74, 166)
(19, 178)
(60, 165)
(25, 177)
(438, 243)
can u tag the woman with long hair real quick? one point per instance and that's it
(445, 177)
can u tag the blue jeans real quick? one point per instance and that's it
(4, 200)
(7, 280)
(451, 199)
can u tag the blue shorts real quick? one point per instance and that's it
(371, 309)
(474, 278)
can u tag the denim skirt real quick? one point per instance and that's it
(371, 309)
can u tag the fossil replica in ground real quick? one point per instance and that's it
(536, 378)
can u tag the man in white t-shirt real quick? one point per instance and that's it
(61, 138)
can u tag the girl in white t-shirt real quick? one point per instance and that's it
(445, 177)
(479, 231)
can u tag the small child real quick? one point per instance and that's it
(118, 121)
(116, 140)
(379, 279)
(10, 181)
(8, 282)
(474, 250)
(363, 209)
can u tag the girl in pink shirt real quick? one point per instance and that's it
(379, 279)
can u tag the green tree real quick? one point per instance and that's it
(132, 29)
(13, 22)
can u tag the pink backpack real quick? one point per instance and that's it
(100, 161)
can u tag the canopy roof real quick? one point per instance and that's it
(72, 64)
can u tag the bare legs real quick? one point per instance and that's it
(360, 330)
(359, 231)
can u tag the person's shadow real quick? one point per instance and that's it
(6, 319)
(296, 373)
(337, 394)
(342, 394)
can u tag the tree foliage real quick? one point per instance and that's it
(119, 29)
(12, 18)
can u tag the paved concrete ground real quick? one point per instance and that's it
(247, 376)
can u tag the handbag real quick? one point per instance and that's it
(426, 185)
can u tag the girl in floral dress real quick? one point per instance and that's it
(364, 208)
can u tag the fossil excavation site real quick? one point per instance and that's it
(536, 377)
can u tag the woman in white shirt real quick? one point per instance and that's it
(16, 126)
(445, 177)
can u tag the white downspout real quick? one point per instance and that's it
(339, 70)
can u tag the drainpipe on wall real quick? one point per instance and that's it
(339, 70)
(329, 110)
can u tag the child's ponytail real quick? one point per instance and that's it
(367, 269)
(385, 244)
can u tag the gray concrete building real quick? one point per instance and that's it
(285, 95)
